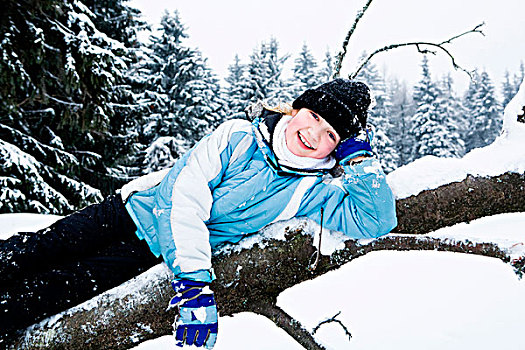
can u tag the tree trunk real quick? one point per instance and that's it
(251, 279)
(470, 199)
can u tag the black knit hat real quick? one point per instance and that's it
(341, 102)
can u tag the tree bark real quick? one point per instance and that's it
(470, 199)
(251, 279)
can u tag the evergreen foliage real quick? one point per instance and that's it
(451, 115)
(263, 79)
(234, 92)
(117, 20)
(507, 89)
(379, 116)
(518, 77)
(56, 105)
(182, 94)
(429, 128)
(304, 72)
(402, 110)
(484, 112)
(326, 71)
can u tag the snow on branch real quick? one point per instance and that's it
(422, 48)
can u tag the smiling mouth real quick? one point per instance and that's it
(305, 142)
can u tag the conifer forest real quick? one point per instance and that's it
(85, 106)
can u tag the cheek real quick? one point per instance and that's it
(288, 134)
(324, 150)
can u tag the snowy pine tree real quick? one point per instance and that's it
(401, 114)
(326, 71)
(57, 105)
(483, 111)
(234, 93)
(507, 89)
(451, 115)
(427, 127)
(117, 20)
(163, 152)
(518, 77)
(263, 79)
(379, 115)
(202, 108)
(182, 95)
(304, 72)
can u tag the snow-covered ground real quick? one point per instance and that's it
(391, 300)
(13, 223)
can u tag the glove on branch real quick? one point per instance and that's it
(196, 323)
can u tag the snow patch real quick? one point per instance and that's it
(400, 300)
(200, 314)
(330, 241)
(507, 231)
(13, 223)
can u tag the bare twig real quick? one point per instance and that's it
(334, 319)
(420, 48)
(288, 324)
(341, 55)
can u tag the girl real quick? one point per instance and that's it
(235, 181)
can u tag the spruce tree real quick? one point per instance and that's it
(304, 72)
(182, 94)
(468, 105)
(518, 78)
(263, 80)
(117, 19)
(234, 92)
(451, 114)
(120, 22)
(401, 114)
(427, 128)
(202, 108)
(379, 116)
(484, 113)
(56, 105)
(508, 89)
(326, 71)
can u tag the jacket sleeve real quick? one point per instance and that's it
(191, 199)
(359, 203)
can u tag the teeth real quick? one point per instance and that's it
(303, 140)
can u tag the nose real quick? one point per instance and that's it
(315, 134)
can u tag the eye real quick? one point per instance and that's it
(332, 136)
(316, 117)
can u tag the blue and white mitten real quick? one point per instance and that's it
(354, 147)
(196, 323)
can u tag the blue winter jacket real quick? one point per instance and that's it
(230, 185)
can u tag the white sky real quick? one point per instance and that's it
(221, 29)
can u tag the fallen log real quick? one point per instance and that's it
(464, 201)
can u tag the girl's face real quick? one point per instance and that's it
(309, 135)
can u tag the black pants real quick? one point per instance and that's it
(76, 258)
